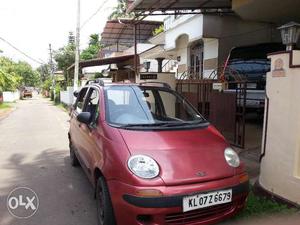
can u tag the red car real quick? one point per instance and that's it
(152, 158)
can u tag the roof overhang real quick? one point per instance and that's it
(122, 31)
(104, 61)
(158, 51)
(176, 5)
(271, 11)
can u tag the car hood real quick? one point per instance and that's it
(184, 156)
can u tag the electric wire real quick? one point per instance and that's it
(20, 51)
(94, 14)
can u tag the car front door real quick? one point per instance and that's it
(90, 133)
(75, 126)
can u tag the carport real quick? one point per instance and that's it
(128, 33)
(122, 32)
(120, 61)
(147, 7)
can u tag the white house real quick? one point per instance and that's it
(201, 43)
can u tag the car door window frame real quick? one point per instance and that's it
(86, 89)
(94, 122)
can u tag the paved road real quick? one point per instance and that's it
(34, 153)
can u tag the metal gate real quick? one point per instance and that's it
(224, 108)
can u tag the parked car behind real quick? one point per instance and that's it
(152, 158)
(251, 63)
(27, 92)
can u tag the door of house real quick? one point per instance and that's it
(196, 61)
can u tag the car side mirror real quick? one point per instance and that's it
(84, 117)
(75, 93)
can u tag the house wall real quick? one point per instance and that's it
(168, 78)
(185, 25)
(280, 167)
(67, 96)
(9, 96)
(182, 51)
(210, 56)
(233, 32)
(186, 37)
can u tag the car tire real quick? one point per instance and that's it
(105, 212)
(73, 157)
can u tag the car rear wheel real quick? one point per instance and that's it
(73, 157)
(105, 211)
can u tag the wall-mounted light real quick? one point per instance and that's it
(290, 33)
(147, 65)
(178, 58)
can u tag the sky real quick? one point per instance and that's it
(30, 25)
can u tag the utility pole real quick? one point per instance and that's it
(77, 51)
(52, 72)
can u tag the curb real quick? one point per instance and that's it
(261, 192)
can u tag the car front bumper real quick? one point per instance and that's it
(167, 209)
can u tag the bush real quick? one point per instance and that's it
(98, 75)
(57, 94)
(158, 30)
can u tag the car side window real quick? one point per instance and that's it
(92, 104)
(80, 100)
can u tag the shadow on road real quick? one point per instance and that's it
(65, 194)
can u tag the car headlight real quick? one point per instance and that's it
(232, 157)
(143, 166)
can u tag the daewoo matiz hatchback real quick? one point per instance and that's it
(152, 158)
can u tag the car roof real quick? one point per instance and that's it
(144, 84)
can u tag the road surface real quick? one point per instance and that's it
(34, 153)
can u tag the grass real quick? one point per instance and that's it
(258, 207)
(5, 106)
(62, 106)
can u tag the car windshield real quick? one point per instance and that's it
(132, 106)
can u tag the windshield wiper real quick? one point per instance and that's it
(182, 123)
(141, 125)
(163, 124)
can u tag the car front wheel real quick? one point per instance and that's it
(73, 157)
(105, 211)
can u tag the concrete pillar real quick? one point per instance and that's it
(280, 165)
(159, 62)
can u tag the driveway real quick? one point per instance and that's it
(34, 153)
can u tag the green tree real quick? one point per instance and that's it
(98, 75)
(120, 11)
(10, 80)
(93, 49)
(65, 57)
(44, 71)
(31, 77)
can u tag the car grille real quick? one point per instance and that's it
(197, 215)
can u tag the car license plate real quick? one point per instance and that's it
(205, 200)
